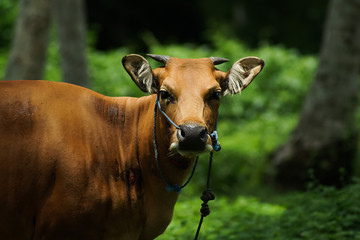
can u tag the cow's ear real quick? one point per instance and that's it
(140, 71)
(241, 74)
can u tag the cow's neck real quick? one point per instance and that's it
(135, 123)
(139, 117)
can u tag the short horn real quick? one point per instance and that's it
(218, 60)
(159, 58)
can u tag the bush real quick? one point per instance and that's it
(323, 213)
(240, 218)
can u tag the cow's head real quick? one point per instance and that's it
(190, 91)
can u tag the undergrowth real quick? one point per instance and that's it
(323, 213)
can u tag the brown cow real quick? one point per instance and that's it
(75, 164)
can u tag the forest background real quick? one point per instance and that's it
(257, 198)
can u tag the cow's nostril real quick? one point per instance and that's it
(204, 135)
(182, 132)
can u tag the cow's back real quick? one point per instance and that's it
(44, 149)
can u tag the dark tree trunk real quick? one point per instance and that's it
(28, 52)
(70, 21)
(323, 145)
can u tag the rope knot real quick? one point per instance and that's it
(205, 209)
(214, 139)
(173, 188)
(207, 195)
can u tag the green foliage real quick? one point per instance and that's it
(3, 62)
(321, 214)
(106, 72)
(8, 13)
(52, 68)
(109, 76)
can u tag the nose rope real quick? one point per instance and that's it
(167, 117)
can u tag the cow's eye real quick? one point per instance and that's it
(215, 95)
(165, 95)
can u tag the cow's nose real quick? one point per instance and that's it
(192, 137)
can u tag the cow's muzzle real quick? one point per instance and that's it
(192, 138)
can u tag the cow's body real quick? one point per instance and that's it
(75, 164)
(71, 163)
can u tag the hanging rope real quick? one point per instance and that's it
(206, 196)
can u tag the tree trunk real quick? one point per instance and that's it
(323, 145)
(28, 52)
(70, 20)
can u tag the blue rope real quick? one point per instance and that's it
(168, 118)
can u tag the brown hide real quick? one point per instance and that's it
(75, 164)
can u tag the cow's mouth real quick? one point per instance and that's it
(189, 153)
